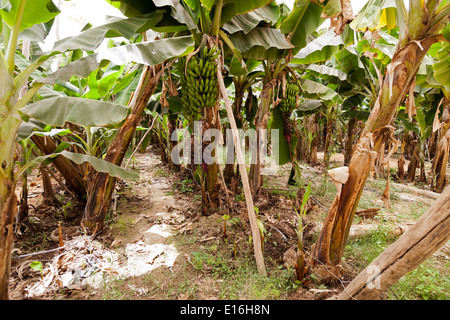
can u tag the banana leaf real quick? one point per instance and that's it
(248, 21)
(314, 90)
(84, 112)
(442, 67)
(260, 43)
(97, 163)
(303, 20)
(91, 39)
(284, 155)
(148, 53)
(330, 74)
(376, 14)
(35, 12)
(320, 49)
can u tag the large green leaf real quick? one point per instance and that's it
(126, 87)
(101, 165)
(91, 39)
(85, 112)
(284, 154)
(260, 43)
(28, 128)
(442, 67)
(239, 6)
(358, 114)
(35, 12)
(132, 8)
(176, 18)
(236, 68)
(178, 12)
(38, 32)
(302, 21)
(332, 75)
(349, 61)
(309, 106)
(411, 126)
(353, 102)
(246, 22)
(320, 49)
(376, 14)
(312, 89)
(97, 163)
(99, 88)
(147, 53)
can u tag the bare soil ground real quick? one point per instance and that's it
(159, 246)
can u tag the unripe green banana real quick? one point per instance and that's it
(199, 82)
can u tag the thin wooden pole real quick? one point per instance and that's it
(243, 172)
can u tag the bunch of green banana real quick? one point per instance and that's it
(199, 87)
(289, 102)
(251, 107)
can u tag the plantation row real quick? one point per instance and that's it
(370, 86)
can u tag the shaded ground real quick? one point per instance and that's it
(159, 246)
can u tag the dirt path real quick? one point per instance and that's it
(160, 247)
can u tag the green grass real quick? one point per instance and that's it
(364, 250)
(160, 173)
(427, 282)
(231, 266)
(239, 279)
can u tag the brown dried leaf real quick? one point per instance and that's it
(387, 191)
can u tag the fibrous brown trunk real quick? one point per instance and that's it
(401, 168)
(211, 200)
(349, 139)
(329, 247)
(413, 164)
(439, 166)
(49, 193)
(74, 179)
(327, 132)
(397, 80)
(100, 193)
(262, 117)
(429, 233)
(8, 212)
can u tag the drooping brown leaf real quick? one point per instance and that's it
(339, 21)
(368, 213)
(387, 191)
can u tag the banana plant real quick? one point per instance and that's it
(419, 28)
(17, 16)
(422, 125)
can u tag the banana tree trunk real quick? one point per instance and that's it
(399, 74)
(8, 199)
(100, 192)
(401, 168)
(211, 187)
(8, 212)
(74, 179)
(256, 181)
(327, 137)
(413, 164)
(439, 166)
(349, 139)
(440, 162)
